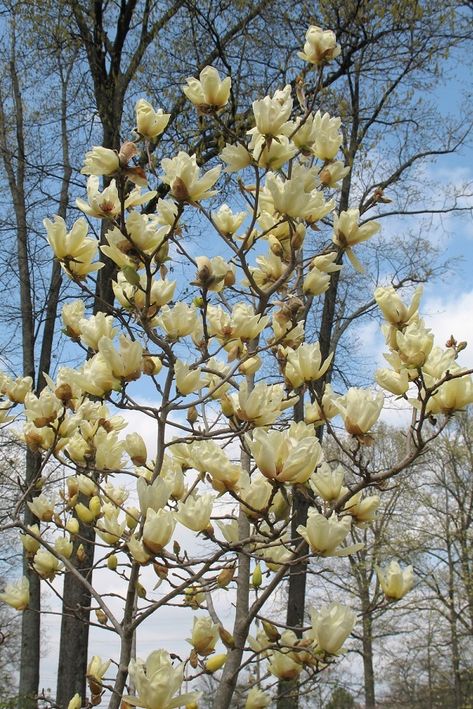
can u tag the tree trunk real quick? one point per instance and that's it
(289, 696)
(229, 679)
(14, 163)
(368, 669)
(72, 668)
(288, 691)
(455, 648)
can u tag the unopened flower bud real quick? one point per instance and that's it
(257, 577)
(132, 517)
(160, 570)
(72, 525)
(271, 631)
(112, 562)
(215, 663)
(76, 702)
(225, 576)
(127, 151)
(101, 616)
(226, 637)
(193, 658)
(192, 414)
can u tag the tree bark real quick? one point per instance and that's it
(226, 687)
(72, 668)
(367, 641)
(14, 163)
(288, 691)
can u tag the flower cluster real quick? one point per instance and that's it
(223, 359)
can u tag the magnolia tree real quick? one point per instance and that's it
(229, 454)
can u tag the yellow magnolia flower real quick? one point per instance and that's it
(74, 249)
(263, 404)
(360, 409)
(30, 544)
(331, 626)
(76, 702)
(348, 232)
(363, 510)
(136, 448)
(178, 321)
(324, 536)
(320, 46)
(328, 137)
(305, 364)
(182, 174)
(195, 512)
(157, 683)
(395, 382)
(228, 222)
(46, 564)
(204, 635)
(414, 344)
(393, 308)
(271, 114)
(101, 161)
(214, 273)
(209, 91)
(284, 666)
(17, 594)
(453, 395)
(257, 699)
(125, 363)
(42, 508)
(72, 313)
(216, 662)
(93, 328)
(150, 123)
(16, 389)
(237, 157)
(103, 205)
(327, 482)
(158, 529)
(284, 456)
(394, 581)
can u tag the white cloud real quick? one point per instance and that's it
(451, 315)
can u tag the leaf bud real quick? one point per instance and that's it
(226, 637)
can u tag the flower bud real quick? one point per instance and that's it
(76, 702)
(271, 631)
(215, 663)
(72, 525)
(257, 577)
(101, 616)
(225, 576)
(227, 638)
(30, 544)
(112, 562)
